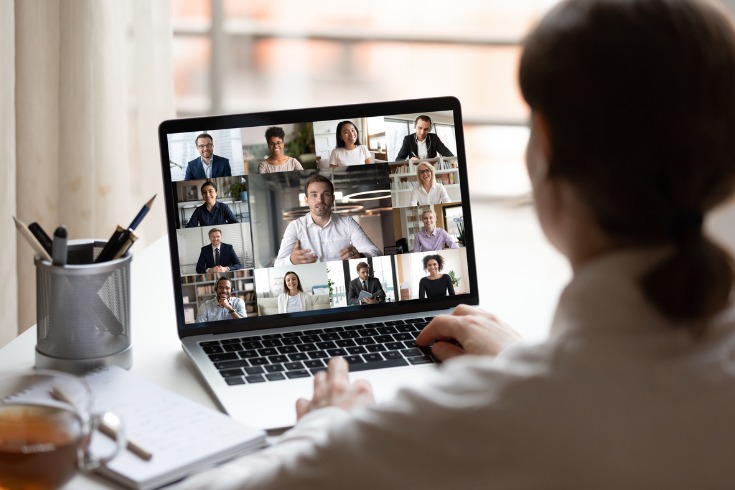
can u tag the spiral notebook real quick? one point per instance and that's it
(183, 436)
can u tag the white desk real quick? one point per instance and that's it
(520, 279)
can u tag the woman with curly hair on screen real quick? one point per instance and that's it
(435, 285)
(277, 161)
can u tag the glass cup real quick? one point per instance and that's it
(46, 426)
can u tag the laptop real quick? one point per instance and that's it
(276, 218)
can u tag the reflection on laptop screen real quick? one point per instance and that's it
(292, 217)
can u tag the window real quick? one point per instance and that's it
(236, 56)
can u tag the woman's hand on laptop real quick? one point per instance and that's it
(468, 330)
(332, 388)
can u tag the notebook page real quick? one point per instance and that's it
(184, 436)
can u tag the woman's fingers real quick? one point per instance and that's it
(333, 388)
(446, 350)
(467, 330)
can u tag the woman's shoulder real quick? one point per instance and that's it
(294, 164)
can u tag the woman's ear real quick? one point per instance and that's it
(538, 152)
(545, 133)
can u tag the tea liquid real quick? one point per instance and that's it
(38, 446)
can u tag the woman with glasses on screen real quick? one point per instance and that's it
(631, 146)
(427, 191)
(277, 161)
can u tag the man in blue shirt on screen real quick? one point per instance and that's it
(224, 306)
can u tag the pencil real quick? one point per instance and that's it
(141, 214)
(37, 247)
(105, 428)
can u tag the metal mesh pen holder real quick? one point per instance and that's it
(83, 311)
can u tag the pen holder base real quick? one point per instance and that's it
(83, 309)
(123, 359)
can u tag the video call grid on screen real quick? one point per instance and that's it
(379, 197)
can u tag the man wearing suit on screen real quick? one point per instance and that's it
(208, 165)
(365, 283)
(218, 256)
(423, 143)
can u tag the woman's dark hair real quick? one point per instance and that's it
(639, 96)
(340, 141)
(208, 183)
(439, 260)
(274, 131)
(285, 288)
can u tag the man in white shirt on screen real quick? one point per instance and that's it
(322, 235)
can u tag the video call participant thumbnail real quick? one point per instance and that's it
(322, 235)
(422, 144)
(212, 212)
(223, 306)
(431, 237)
(349, 151)
(278, 161)
(435, 285)
(293, 298)
(365, 283)
(218, 256)
(208, 165)
(427, 190)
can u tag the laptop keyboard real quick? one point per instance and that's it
(280, 356)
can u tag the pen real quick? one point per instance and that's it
(126, 241)
(59, 246)
(41, 236)
(122, 238)
(23, 229)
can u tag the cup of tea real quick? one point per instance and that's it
(46, 427)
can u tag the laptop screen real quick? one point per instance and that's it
(314, 215)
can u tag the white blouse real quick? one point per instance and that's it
(343, 157)
(436, 195)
